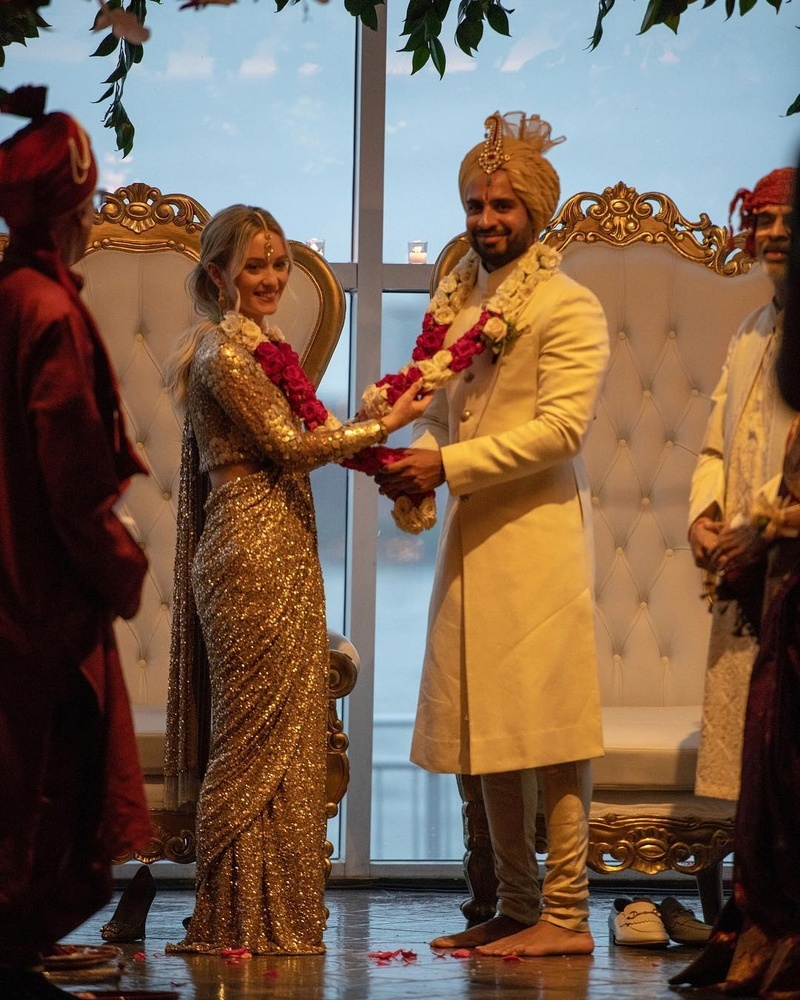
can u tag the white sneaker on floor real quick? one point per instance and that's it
(636, 923)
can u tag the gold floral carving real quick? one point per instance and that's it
(173, 839)
(621, 216)
(140, 217)
(656, 844)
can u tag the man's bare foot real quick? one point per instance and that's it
(490, 930)
(543, 938)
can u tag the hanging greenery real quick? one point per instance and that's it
(669, 12)
(21, 21)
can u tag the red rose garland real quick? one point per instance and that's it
(281, 364)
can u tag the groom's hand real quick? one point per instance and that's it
(419, 471)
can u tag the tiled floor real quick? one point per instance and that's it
(364, 921)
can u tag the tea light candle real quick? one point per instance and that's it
(316, 244)
(418, 252)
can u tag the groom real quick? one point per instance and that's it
(509, 687)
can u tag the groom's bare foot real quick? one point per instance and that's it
(543, 938)
(490, 930)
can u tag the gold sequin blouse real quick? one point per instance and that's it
(239, 415)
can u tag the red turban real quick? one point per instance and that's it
(774, 189)
(46, 169)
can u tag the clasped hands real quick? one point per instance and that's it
(418, 472)
(722, 547)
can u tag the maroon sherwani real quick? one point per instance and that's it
(71, 794)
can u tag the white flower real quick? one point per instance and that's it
(374, 401)
(430, 371)
(448, 284)
(251, 335)
(495, 329)
(413, 519)
(273, 333)
(230, 322)
(444, 316)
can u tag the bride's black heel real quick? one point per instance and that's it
(130, 916)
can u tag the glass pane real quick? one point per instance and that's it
(695, 115)
(237, 104)
(329, 486)
(415, 815)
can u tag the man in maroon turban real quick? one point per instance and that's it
(71, 795)
(755, 945)
(743, 449)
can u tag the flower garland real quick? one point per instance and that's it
(430, 361)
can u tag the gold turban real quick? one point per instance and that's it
(517, 144)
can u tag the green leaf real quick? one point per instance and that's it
(604, 8)
(125, 133)
(107, 46)
(442, 8)
(419, 59)
(498, 19)
(418, 8)
(730, 7)
(416, 39)
(433, 24)
(745, 6)
(369, 17)
(776, 4)
(438, 58)
(469, 35)
(105, 95)
(119, 74)
(794, 108)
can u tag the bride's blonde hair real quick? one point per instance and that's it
(224, 241)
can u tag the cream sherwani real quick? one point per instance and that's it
(509, 680)
(742, 450)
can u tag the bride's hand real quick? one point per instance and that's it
(407, 408)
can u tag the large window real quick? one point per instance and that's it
(321, 123)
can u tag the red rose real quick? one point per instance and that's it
(313, 413)
(295, 379)
(270, 360)
(428, 343)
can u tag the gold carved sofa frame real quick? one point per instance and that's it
(674, 293)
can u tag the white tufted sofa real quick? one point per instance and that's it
(142, 248)
(673, 294)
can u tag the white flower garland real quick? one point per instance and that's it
(505, 306)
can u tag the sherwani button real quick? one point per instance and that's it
(466, 415)
(469, 376)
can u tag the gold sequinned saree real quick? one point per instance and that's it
(254, 578)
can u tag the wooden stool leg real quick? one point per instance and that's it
(478, 858)
(709, 884)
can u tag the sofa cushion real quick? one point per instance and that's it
(649, 747)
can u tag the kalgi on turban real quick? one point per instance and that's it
(517, 145)
(46, 169)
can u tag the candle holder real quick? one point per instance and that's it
(317, 244)
(418, 252)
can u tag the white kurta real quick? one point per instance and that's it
(510, 675)
(743, 449)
